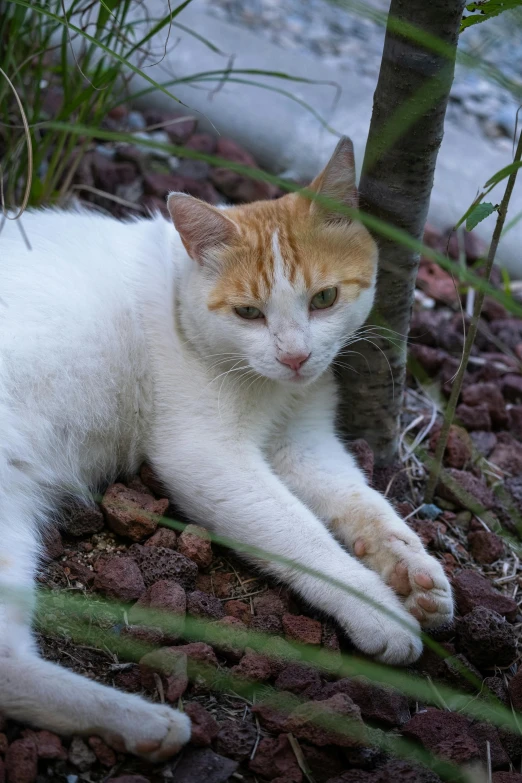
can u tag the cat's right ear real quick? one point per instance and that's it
(202, 227)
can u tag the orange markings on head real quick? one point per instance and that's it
(315, 253)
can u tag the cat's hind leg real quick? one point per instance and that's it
(43, 694)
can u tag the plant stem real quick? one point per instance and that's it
(470, 338)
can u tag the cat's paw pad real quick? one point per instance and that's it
(424, 588)
(155, 733)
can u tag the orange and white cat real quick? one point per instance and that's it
(203, 346)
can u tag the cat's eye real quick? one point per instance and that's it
(324, 299)
(249, 313)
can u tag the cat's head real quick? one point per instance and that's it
(279, 285)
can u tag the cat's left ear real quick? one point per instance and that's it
(336, 182)
(203, 228)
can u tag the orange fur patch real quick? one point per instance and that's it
(316, 254)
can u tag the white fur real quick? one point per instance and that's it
(108, 356)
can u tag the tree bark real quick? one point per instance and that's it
(397, 177)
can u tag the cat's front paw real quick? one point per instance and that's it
(415, 576)
(153, 731)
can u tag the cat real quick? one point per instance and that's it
(203, 345)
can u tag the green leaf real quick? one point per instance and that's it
(479, 213)
(503, 173)
(487, 10)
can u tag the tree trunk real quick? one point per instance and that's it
(405, 135)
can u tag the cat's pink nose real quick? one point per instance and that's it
(294, 361)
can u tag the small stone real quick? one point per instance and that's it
(120, 578)
(151, 481)
(239, 610)
(194, 543)
(302, 629)
(53, 543)
(202, 142)
(490, 394)
(485, 547)
(318, 722)
(157, 562)
(236, 740)
(49, 745)
(21, 761)
(507, 454)
(81, 755)
(163, 537)
(430, 359)
(506, 777)
(80, 520)
(429, 511)
(204, 605)
(465, 490)
(495, 686)
(378, 703)
(436, 282)
(222, 584)
(275, 759)
(474, 418)
(484, 733)
(254, 667)
(273, 711)
(181, 129)
(458, 451)
(171, 664)
(269, 603)
(132, 514)
(515, 689)
(267, 623)
(159, 184)
(473, 590)
(486, 639)
(198, 652)
(444, 733)
(202, 765)
(297, 678)
(484, 442)
(147, 634)
(204, 727)
(364, 457)
(103, 753)
(232, 645)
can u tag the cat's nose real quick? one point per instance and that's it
(294, 361)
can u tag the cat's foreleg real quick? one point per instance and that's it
(235, 492)
(313, 462)
(43, 694)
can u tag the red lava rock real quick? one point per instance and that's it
(508, 330)
(3, 744)
(151, 481)
(507, 454)
(325, 763)
(236, 740)
(239, 610)
(275, 759)
(487, 393)
(473, 247)
(49, 745)
(431, 359)
(205, 605)
(204, 727)
(159, 184)
(194, 543)
(273, 712)
(21, 761)
(234, 648)
(492, 310)
(472, 590)
(392, 771)
(391, 479)
(171, 665)
(429, 532)
(484, 733)
(512, 387)
(515, 689)
(364, 457)
(147, 634)
(269, 603)
(456, 669)
(167, 596)
(267, 623)
(163, 537)
(103, 753)
(81, 755)
(132, 514)
(254, 666)
(157, 562)
(108, 174)
(506, 777)
(198, 652)
(376, 702)
(302, 629)
(497, 687)
(486, 638)
(53, 543)
(474, 418)
(80, 520)
(318, 722)
(461, 484)
(436, 282)
(180, 130)
(129, 680)
(202, 765)
(485, 547)
(202, 142)
(239, 188)
(297, 678)
(222, 584)
(78, 572)
(458, 448)
(120, 578)
(446, 734)
(201, 189)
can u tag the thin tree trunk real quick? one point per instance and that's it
(405, 135)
